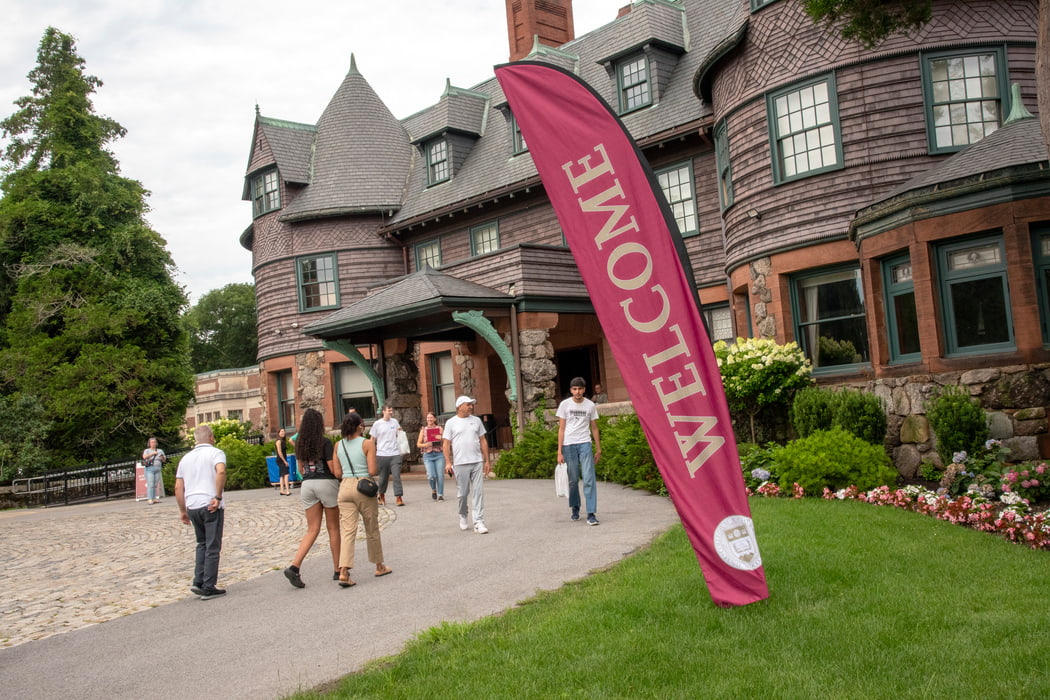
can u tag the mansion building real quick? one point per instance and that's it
(888, 209)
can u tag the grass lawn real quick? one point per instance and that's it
(865, 602)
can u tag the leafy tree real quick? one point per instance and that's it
(89, 310)
(222, 328)
(872, 21)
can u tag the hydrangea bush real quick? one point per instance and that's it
(759, 374)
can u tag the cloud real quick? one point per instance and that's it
(184, 77)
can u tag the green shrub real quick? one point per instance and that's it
(626, 456)
(245, 464)
(758, 462)
(856, 412)
(861, 414)
(833, 459)
(812, 410)
(535, 452)
(958, 422)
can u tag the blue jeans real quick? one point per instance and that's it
(579, 459)
(152, 480)
(435, 465)
(208, 528)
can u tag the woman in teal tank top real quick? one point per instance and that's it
(357, 458)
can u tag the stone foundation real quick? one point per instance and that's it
(1014, 399)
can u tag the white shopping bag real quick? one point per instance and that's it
(561, 480)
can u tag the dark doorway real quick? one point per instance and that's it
(576, 362)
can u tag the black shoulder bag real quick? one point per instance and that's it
(365, 484)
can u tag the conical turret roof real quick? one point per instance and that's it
(361, 156)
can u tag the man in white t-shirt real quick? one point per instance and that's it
(577, 425)
(467, 458)
(199, 483)
(388, 454)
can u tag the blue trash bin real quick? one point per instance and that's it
(275, 473)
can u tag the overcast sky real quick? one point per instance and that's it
(184, 76)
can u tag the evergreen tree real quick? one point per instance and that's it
(223, 328)
(89, 310)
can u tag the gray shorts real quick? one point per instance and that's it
(323, 491)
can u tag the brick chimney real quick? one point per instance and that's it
(550, 20)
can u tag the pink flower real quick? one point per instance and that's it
(1041, 469)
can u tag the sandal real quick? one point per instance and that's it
(384, 571)
(345, 581)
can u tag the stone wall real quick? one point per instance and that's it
(1014, 399)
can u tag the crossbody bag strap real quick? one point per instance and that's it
(342, 444)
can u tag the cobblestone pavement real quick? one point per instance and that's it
(96, 562)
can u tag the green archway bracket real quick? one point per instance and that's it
(476, 321)
(351, 351)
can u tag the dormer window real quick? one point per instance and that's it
(518, 141)
(438, 167)
(266, 192)
(632, 76)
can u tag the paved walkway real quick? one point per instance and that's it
(128, 565)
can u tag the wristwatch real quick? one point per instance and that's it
(218, 497)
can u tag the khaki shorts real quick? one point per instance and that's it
(323, 491)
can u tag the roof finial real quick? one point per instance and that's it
(353, 65)
(1017, 109)
(256, 109)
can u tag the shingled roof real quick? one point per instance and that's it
(290, 144)
(361, 156)
(362, 159)
(407, 300)
(699, 25)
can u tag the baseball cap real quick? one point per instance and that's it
(464, 399)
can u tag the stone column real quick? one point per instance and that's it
(765, 324)
(538, 370)
(402, 380)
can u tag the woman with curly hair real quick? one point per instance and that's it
(320, 492)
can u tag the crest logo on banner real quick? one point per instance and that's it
(619, 230)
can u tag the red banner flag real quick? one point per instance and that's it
(619, 228)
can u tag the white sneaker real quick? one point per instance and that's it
(463, 524)
(479, 528)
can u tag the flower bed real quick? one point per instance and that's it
(1011, 517)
